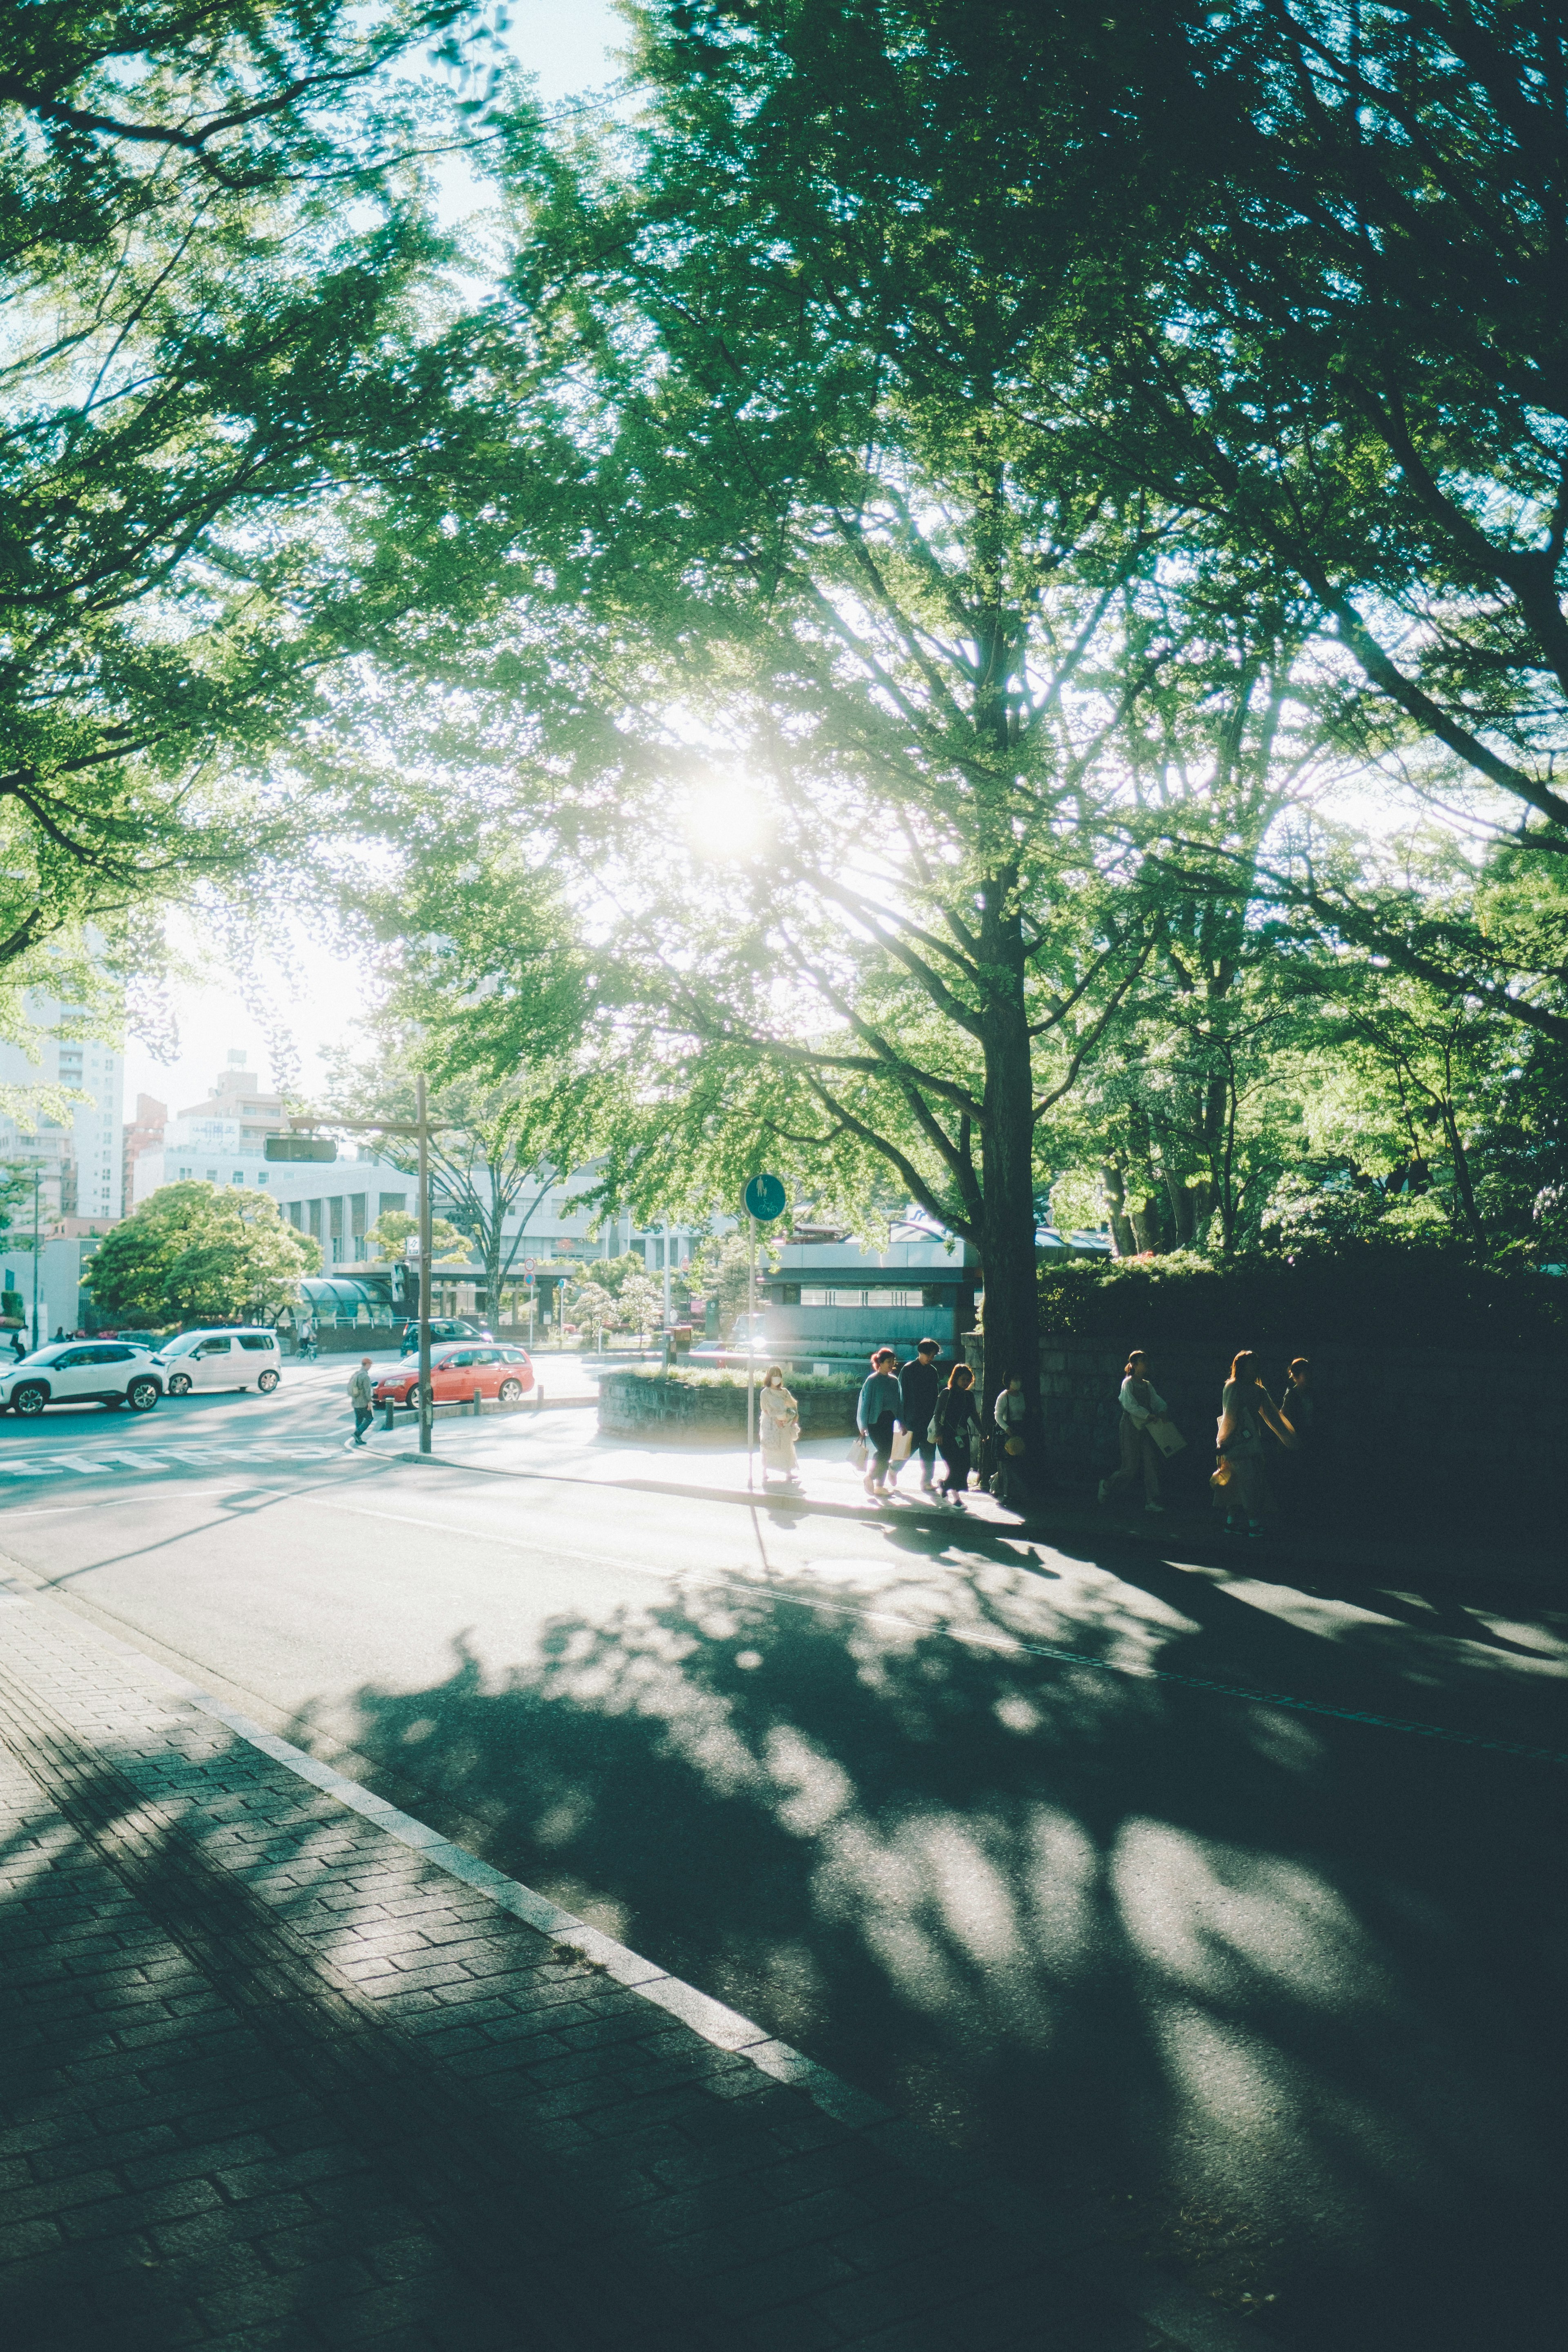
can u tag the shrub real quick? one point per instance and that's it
(1380, 1294)
(686, 1378)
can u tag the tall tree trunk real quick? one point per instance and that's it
(1007, 1211)
(1145, 1218)
(1122, 1241)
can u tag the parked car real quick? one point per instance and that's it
(81, 1371)
(443, 1327)
(220, 1359)
(456, 1372)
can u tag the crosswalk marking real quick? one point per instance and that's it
(195, 1457)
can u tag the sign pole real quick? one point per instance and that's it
(424, 1264)
(750, 1346)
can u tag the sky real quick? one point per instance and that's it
(315, 992)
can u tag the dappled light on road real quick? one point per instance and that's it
(1107, 1928)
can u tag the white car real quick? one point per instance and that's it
(81, 1371)
(220, 1359)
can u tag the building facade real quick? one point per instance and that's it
(75, 1149)
(829, 1299)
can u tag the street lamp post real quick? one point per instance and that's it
(38, 1180)
(424, 1124)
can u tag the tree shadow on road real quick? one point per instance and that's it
(1266, 1990)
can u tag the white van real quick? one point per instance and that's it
(220, 1359)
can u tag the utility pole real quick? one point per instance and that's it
(38, 1180)
(751, 1344)
(424, 1406)
(419, 1128)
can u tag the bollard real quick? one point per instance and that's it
(386, 1414)
(538, 1396)
(478, 1405)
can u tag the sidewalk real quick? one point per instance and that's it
(570, 1445)
(285, 2068)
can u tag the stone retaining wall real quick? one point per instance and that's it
(1438, 1430)
(683, 1413)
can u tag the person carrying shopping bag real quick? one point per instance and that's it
(778, 1417)
(1145, 1420)
(920, 1385)
(876, 1418)
(955, 1428)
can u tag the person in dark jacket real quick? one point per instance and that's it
(877, 1417)
(958, 1433)
(920, 1385)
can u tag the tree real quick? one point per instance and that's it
(200, 1253)
(641, 1304)
(212, 245)
(494, 1149)
(801, 514)
(389, 1237)
(1332, 334)
(594, 1308)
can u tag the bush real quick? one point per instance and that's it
(796, 1382)
(1384, 1295)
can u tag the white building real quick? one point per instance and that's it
(76, 1154)
(222, 1142)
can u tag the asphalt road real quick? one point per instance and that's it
(1269, 1987)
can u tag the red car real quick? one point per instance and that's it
(456, 1372)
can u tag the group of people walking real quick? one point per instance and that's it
(908, 1413)
(1149, 1437)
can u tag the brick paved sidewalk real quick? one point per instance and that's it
(283, 2070)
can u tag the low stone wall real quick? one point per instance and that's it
(688, 1413)
(1477, 1435)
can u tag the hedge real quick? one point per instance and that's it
(682, 1376)
(1385, 1296)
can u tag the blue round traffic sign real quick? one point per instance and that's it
(764, 1199)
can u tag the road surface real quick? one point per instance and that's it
(1226, 1909)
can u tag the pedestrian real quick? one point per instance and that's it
(876, 1418)
(778, 1417)
(1140, 1404)
(958, 1433)
(1297, 1407)
(360, 1398)
(1011, 1411)
(1246, 1409)
(18, 1346)
(920, 1385)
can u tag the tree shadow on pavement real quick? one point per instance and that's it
(1263, 1991)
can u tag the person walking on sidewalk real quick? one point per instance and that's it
(920, 1385)
(1240, 1485)
(958, 1433)
(1140, 1404)
(778, 1416)
(360, 1398)
(1012, 1411)
(876, 1418)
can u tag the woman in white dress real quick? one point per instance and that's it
(778, 1418)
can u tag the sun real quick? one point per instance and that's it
(728, 822)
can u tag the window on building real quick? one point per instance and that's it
(261, 1176)
(861, 1297)
(212, 1175)
(238, 1177)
